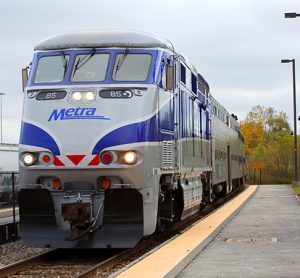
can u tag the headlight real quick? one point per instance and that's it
(129, 157)
(90, 96)
(77, 96)
(29, 159)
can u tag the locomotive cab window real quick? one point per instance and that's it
(131, 67)
(182, 73)
(194, 83)
(90, 67)
(167, 80)
(51, 69)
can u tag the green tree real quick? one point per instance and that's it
(268, 140)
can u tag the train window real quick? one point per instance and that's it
(90, 67)
(227, 120)
(51, 69)
(215, 110)
(194, 84)
(169, 76)
(183, 73)
(201, 97)
(132, 67)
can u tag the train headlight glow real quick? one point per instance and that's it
(77, 96)
(90, 96)
(129, 157)
(29, 159)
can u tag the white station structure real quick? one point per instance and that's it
(9, 157)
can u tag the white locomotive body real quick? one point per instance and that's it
(117, 141)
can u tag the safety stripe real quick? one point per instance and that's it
(57, 162)
(76, 159)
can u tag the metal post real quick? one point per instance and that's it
(14, 206)
(296, 182)
(1, 94)
(295, 123)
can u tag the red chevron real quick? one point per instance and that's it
(57, 162)
(76, 158)
(95, 161)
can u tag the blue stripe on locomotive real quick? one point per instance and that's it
(35, 136)
(146, 131)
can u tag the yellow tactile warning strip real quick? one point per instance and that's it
(171, 258)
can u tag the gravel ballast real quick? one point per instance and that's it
(16, 251)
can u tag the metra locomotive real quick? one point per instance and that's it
(120, 136)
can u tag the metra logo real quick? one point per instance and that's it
(75, 114)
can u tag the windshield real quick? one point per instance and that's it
(131, 67)
(51, 69)
(91, 67)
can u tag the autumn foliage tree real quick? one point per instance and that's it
(268, 140)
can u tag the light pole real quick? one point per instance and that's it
(294, 15)
(1, 94)
(295, 122)
(291, 15)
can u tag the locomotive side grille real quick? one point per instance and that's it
(167, 154)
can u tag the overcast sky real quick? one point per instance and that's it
(236, 45)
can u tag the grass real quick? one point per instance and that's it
(296, 190)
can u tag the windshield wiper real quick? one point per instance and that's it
(64, 61)
(120, 62)
(82, 61)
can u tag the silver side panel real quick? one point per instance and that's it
(192, 192)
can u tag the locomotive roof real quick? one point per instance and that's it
(102, 38)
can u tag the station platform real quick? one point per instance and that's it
(263, 240)
(257, 234)
(9, 230)
(6, 215)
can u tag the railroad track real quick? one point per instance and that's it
(59, 263)
(98, 263)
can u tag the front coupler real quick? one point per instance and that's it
(119, 219)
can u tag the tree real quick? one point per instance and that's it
(268, 140)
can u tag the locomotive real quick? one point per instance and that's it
(120, 137)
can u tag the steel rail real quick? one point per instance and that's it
(13, 268)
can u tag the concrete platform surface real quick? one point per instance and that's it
(169, 259)
(263, 240)
(6, 215)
